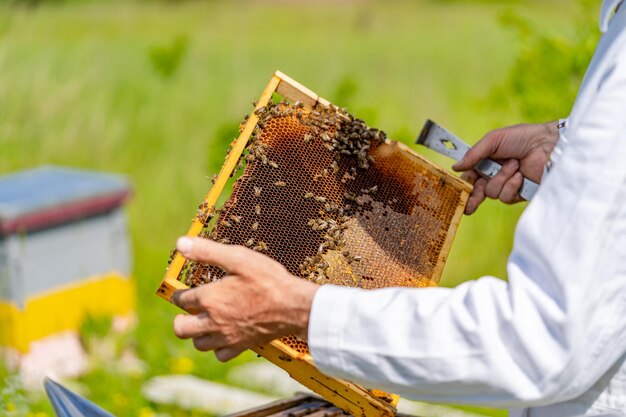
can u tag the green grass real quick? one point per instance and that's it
(87, 85)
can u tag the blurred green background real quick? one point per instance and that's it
(155, 90)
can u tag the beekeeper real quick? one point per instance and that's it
(550, 342)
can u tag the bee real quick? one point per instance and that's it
(226, 223)
(280, 183)
(316, 177)
(273, 164)
(172, 255)
(320, 199)
(358, 258)
(257, 209)
(202, 208)
(250, 243)
(257, 191)
(225, 241)
(309, 195)
(346, 253)
(255, 226)
(261, 246)
(322, 246)
(213, 178)
(264, 159)
(236, 219)
(307, 137)
(373, 190)
(335, 167)
(327, 207)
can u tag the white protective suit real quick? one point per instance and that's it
(552, 341)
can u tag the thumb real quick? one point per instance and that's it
(483, 149)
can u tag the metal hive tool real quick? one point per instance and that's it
(334, 201)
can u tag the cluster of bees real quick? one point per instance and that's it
(350, 140)
(346, 137)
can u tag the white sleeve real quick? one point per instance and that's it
(545, 336)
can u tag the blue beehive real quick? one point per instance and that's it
(64, 252)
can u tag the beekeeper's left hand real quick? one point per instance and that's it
(256, 302)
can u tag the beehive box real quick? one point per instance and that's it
(334, 201)
(64, 255)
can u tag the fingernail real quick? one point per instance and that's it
(184, 245)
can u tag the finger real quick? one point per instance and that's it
(495, 184)
(192, 325)
(188, 300)
(229, 257)
(470, 176)
(477, 196)
(483, 149)
(210, 341)
(228, 353)
(510, 190)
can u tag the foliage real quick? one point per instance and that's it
(547, 73)
(166, 59)
(345, 90)
(13, 397)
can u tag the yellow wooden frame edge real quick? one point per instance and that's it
(350, 397)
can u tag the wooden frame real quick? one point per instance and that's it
(301, 404)
(348, 396)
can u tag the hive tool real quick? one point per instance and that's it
(442, 141)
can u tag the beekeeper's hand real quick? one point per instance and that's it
(256, 302)
(523, 150)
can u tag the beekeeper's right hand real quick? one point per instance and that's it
(523, 150)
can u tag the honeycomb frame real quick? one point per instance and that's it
(350, 397)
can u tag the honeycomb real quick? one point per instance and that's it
(335, 202)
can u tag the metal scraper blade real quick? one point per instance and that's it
(440, 140)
